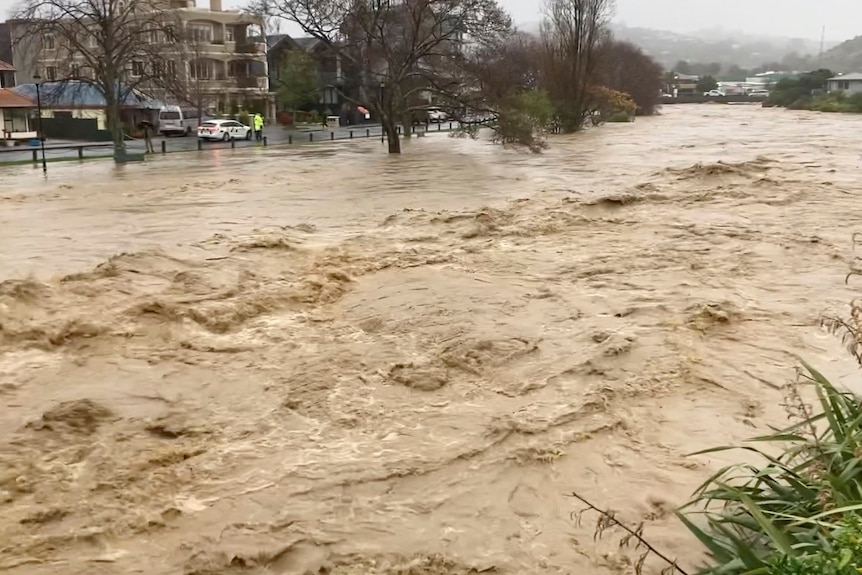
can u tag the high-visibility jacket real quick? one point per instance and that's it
(258, 122)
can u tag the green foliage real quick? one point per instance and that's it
(841, 554)
(706, 84)
(524, 119)
(797, 512)
(298, 86)
(793, 90)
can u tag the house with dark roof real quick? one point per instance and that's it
(330, 74)
(846, 83)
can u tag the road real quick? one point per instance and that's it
(275, 135)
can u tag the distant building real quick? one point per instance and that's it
(329, 71)
(224, 65)
(685, 84)
(847, 83)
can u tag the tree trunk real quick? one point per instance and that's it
(391, 129)
(115, 126)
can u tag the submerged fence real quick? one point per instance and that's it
(272, 137)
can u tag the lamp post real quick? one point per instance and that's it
(38, 80)
(382, 130)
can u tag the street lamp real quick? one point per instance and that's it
(38, 80)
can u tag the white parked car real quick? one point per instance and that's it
(714, 93)
(224, 130)
(759, 94)
(435, 115)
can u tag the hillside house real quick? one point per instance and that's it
(848, 84)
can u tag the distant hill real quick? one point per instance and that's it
(730, 47)
(724, 47)
(845, 57)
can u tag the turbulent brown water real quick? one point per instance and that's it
(328, 360)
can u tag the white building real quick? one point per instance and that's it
(847, 83)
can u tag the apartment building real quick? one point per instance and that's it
(216, 61)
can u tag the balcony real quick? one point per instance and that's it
(251, 82)
(250, 47)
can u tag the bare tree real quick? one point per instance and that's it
(399, 56)
(115, 46)
(572, 36)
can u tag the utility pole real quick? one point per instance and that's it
(822, 40)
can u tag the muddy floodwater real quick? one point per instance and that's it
(328, 360)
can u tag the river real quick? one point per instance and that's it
(330, 360)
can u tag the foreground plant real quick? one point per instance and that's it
(796, 512)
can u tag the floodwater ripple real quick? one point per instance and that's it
(327, 359)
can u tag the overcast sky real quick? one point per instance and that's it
(796, 18)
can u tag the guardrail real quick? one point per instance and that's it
(79, 152)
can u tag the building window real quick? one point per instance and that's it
(75, 71)
(137, 69)
(51, 73)
(845, 85)
(201, 70)
(228, 34)
(93, 41)
(201, 32)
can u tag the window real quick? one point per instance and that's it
(137, 69)
(171, 68)
(201, 70)
(228, 34)
(75, 71)
(201, 32)
(93, 41)
(844, 85)
(51, 73)
(50, 44)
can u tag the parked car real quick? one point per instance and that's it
(224, 130)
(759, 94)
(714, 93)
(176, 121)
(436, 115)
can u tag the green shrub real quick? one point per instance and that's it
(796, 512)
(841, 554)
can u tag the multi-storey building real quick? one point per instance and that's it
(216, 61)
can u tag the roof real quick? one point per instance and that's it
(306, 43)
(11, 99)
(6, 67)
(76, 94)
(856, 76)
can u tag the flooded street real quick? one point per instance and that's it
(328, 360)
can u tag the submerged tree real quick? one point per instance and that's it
(572, 37)
(116, 46)
(401, 56)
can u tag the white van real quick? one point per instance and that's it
(174, 120)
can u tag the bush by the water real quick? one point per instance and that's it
(808, 92)
(795, 513)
